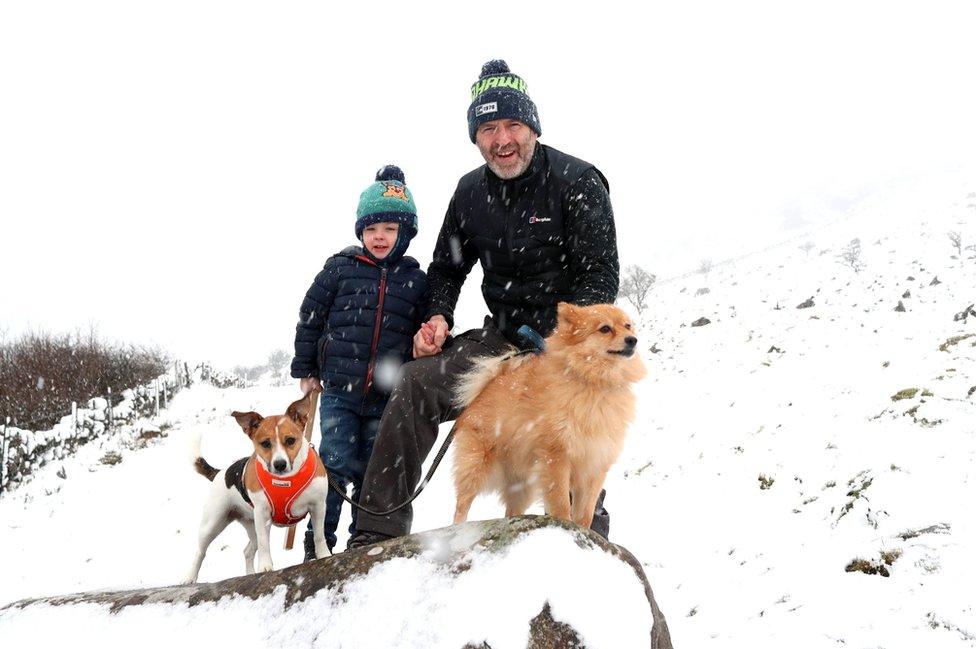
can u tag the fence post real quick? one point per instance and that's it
(108, 410)
(3, 457)
(156, 394)
(74, 417)
(165, 394)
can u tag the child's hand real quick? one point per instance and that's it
(430, 337)
(310, 383)
(427, 330)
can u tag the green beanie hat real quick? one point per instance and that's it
(387, 201)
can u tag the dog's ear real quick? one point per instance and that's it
(249, 421)
(301, 409)
(568, 330)
(566, 312)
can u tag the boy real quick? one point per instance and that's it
(356, 327)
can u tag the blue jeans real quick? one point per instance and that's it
(348, 430)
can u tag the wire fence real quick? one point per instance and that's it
(22, 452)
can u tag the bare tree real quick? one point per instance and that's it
(278, 359)
(851, 256)
(956, 238)
(807, 247)
(635, 286)
(705, 267)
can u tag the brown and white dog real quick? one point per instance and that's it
(549, 426)
(282, 482)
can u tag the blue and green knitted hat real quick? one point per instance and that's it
(499, 94)
(387, 200)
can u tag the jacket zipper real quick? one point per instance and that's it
(376, 333)
(507, 219)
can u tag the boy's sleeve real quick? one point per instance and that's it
(313, 318)
(592, 242)
(454, 256)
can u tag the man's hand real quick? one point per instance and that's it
(430, 338)
(310, 383)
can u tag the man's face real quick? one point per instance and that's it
(507, 146)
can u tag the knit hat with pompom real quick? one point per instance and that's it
(499, 94)
(388, 201)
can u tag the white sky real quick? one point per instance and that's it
(177, 172)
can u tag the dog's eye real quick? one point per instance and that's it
(605, 329)
(266, 444)
(289, 441)
(627, 326)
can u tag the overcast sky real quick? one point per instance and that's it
(177, 172)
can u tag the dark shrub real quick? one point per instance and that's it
(42, 373)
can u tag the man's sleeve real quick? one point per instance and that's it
(419, 318)
(592, 241)
(454, 256)
(312, 321)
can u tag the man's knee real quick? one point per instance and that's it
(413, 374)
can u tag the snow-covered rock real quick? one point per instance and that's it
(551, 584)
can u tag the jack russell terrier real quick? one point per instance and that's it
(282, 482)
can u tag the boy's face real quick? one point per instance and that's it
(380, 237)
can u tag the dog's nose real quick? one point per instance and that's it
(631, 341)
(280, 465)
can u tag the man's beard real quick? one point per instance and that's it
(522, 154)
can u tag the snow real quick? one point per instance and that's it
(390, 593)
(732, 565)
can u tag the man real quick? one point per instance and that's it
(541, 224)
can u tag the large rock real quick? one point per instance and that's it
(529, 581)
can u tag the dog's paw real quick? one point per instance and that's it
(264, 565)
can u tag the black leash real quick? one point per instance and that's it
(339, 489)
(537, 345)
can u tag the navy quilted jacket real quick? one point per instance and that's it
(357, 322)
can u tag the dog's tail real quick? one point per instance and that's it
(203, 468)
(199, 464)
(481, 374)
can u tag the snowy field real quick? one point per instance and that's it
(769, 453)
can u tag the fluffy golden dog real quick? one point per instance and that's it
(549, 426)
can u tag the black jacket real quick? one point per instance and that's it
(545, 237)
(357, 321)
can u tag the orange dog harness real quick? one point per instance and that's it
(281, 492)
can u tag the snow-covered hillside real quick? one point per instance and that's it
(769, 452)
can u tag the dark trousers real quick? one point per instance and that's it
(421, 401)
(348, 431)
